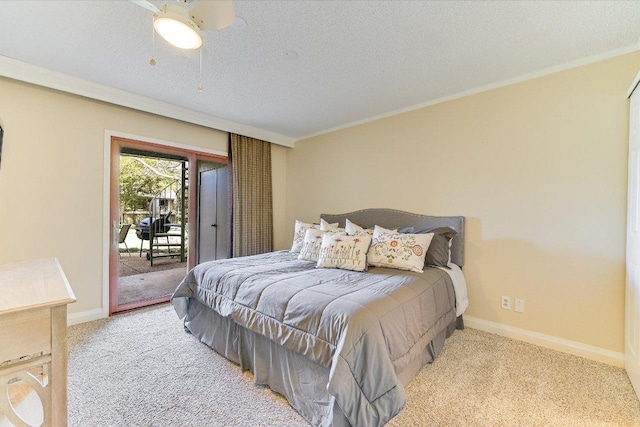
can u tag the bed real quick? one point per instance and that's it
(339, 345)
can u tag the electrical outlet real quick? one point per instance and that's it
(520, 305)
(506, 302)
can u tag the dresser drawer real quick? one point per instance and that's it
(25, 333)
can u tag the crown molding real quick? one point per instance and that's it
(530, 76)
(21, 71)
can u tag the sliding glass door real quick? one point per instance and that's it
(168, 211)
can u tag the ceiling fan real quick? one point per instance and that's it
(181, 23)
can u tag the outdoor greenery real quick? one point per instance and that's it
(142, 179)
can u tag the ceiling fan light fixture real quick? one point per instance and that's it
(174, 25)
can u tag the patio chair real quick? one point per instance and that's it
(122, 235)
(151, 226)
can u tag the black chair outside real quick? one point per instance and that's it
(151, 226)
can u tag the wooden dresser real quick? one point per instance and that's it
(33, 343)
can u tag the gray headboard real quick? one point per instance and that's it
(392, 218)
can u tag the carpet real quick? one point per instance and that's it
(142, 369)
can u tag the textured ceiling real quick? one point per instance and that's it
(357, 59)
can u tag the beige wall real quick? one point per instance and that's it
(538, 169)
(52, 172)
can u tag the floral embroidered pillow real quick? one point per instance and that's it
(298, 235)
(439, 253)
(312, 242)
(345, 252)
(394, 250)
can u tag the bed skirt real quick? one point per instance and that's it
(301, 381)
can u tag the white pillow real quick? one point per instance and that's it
(394, 250)
(298, 235)
(325, 226)
(345, 252)
(312, 243)
(354, 229)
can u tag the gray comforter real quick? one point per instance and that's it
(364, 327)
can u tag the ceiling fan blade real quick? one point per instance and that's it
(213, 15)
(147, 5)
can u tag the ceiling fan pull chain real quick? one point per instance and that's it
(153, 62)
(200, 88)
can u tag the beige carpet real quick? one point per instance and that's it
(142, 369)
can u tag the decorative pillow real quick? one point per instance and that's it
(312, 242)
(298, 236)
(395, 250)
(325, 226)
(439, 253)
(345, 252)
(354, 229)
(382, 230)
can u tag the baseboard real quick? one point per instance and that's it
(566, 346)
(85, 316)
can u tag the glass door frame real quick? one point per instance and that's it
(192, 156)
